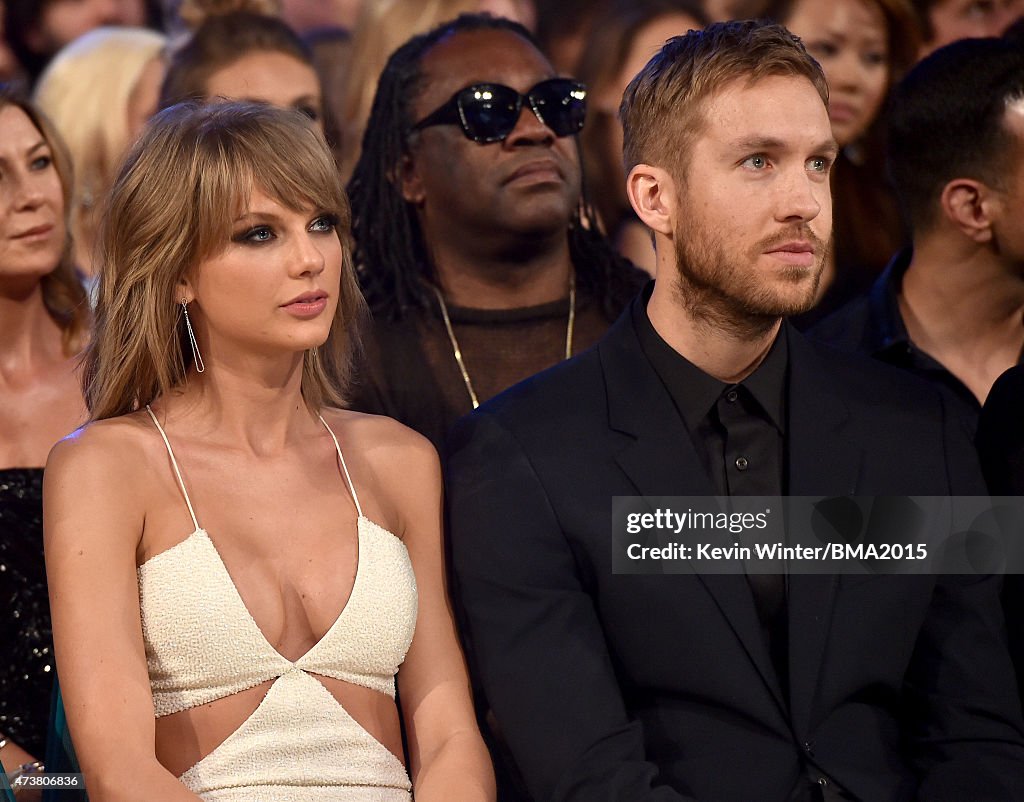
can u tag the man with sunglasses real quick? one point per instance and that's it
(615, 681)
(479, 258)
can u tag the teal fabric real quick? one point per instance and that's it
(60, 752)
(8, 794)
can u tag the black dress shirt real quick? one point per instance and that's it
(738, 431)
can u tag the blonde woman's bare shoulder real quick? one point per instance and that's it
(96, 482)
(380, 438)
(112, 452)
(398, 466)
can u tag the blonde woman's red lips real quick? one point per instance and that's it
(307, 305)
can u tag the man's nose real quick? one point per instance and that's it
(801, 198)
(529, 130)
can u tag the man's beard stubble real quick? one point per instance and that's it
(727, 293)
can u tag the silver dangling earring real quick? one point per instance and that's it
(200, 367)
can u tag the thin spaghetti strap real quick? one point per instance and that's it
(344, 467)
(174, 464)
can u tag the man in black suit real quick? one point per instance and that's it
(724, 687)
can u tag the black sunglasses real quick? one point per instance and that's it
(489, 112)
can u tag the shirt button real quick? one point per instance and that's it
(741, 463)
(731, 396)
(809, 747)
(822, 782)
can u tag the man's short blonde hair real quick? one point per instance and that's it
(662, 108)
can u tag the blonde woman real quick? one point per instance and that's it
(99, 91)
(44, 321)
(384, 25)
(238, 567)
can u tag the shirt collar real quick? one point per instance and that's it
(695, 392)
(886, 330)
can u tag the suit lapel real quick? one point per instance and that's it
(824, 456)
(824, 460)
(655, 451)
(657, 456)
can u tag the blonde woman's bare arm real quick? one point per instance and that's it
(447, 754)
(93, 520)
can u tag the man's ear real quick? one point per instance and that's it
(407, 180)
(969, 205)
(652, 193)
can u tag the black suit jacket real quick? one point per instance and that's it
(615, 687)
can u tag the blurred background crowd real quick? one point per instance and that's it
(99, 68)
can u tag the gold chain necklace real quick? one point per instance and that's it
(458, 351)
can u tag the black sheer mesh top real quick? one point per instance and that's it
(410, 372)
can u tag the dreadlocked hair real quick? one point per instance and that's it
(390, 254)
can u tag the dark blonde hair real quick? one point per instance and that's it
(171, 208)
(63, 294)
(661, 108)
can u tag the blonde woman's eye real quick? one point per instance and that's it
(257, 235)
(327, 222)
(41, 162)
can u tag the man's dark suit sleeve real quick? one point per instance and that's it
(534, 633)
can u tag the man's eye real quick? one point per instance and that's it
(818, 164)
(757, 162)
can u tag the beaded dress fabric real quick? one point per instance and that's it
(26, 641)
(299, 744)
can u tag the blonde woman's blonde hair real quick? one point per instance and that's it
(86, 91)
(171, 207)
(63, 294)
(383, 25)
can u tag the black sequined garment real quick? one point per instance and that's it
(26, 642)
